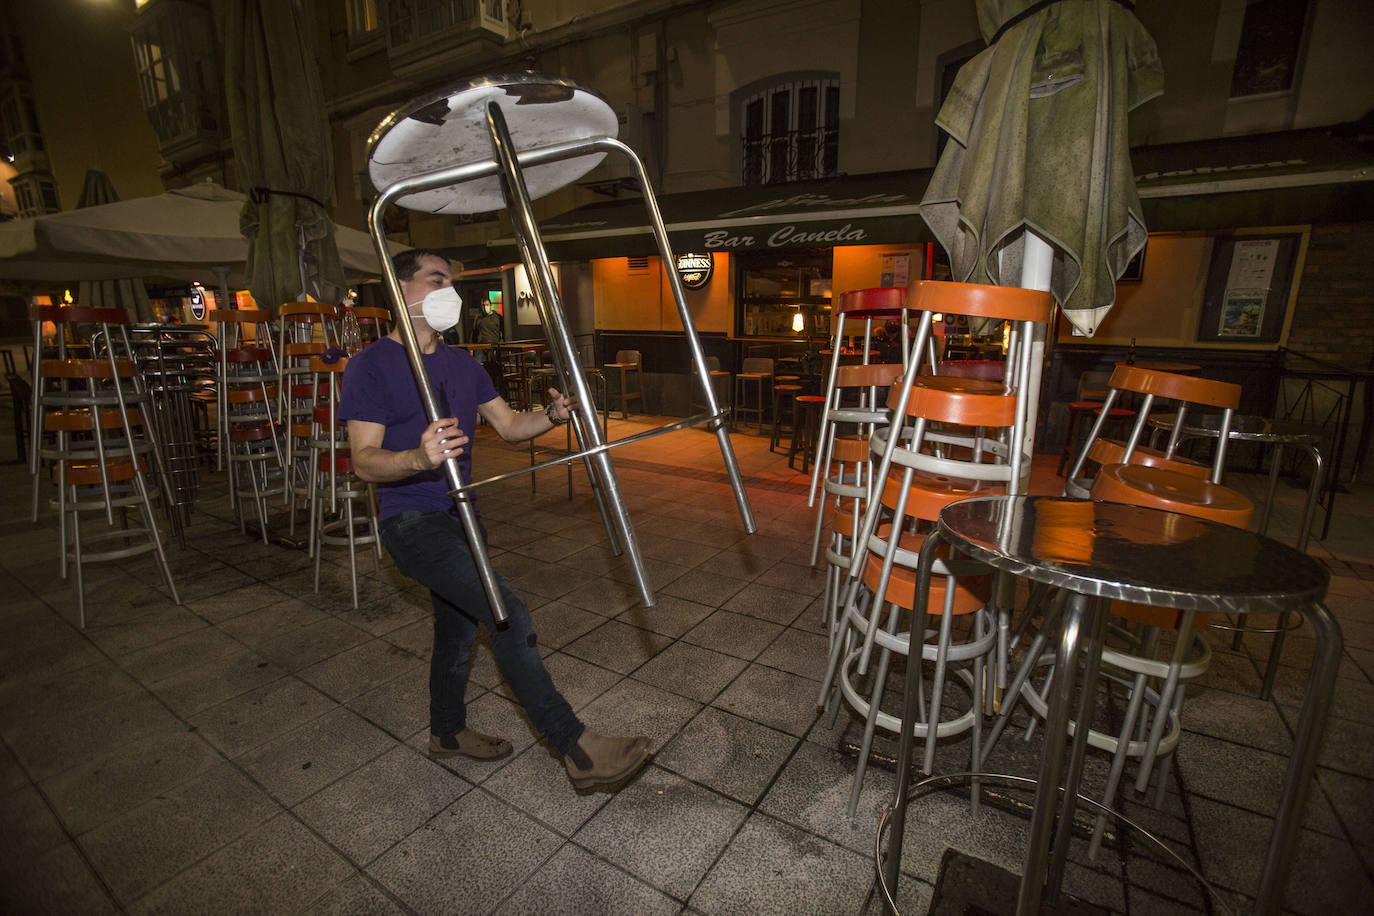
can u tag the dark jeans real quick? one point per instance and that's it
(432, 549)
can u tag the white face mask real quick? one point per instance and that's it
(441, 308)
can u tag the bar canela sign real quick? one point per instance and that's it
(782, 237)
(695, 269)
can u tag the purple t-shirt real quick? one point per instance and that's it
(378, 387)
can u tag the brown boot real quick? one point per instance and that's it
(601, 761)
(470, 743)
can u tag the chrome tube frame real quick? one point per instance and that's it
(536, 263)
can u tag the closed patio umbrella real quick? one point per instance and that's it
(127, 294)
(1038, 151)
(281, 149)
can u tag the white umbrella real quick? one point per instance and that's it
(181, 235)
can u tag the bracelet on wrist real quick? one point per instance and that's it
(554, 419)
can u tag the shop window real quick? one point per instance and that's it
(776, 288)
(789, 129)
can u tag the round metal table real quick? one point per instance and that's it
(1107, 551)
(1278, 434)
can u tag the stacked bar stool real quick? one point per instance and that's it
(93, 429)
(955, 452)
(1152, 654)
(373, 322)
(249, 388)
(304, 331)
(867, 306)
(875, 605)
(847, 481)
(1148, 385)
(341, 503)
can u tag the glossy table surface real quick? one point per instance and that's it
(1135, 554)
(1245, 428)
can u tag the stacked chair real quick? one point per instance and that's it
(250, 430)
(342, 512)
(96, 437)
(304, 331)
(949, 438)
(1152, 653)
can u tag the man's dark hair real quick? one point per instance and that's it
(407, 262)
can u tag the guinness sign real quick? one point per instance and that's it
(695, 269)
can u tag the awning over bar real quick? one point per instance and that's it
(1318, 175)
(877, 208)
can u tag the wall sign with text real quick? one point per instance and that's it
(695, 269)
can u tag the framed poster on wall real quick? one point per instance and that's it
(1248, 287)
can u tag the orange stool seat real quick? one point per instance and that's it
(1138, 485)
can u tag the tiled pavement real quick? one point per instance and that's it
(261, 748)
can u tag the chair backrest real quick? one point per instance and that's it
(874, 302)
(1151, 384)
(759, 365)
(712, 365)
(628, 357)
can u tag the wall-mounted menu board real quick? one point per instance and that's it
(1248, 288)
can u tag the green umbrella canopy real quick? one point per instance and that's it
(1037, 124)
(127, 294)
(281, 144)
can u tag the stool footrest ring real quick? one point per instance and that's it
(946, 780)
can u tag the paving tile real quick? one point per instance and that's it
(630, 708)
(705, 586)
(359, 669)
(368, 811)
(1333, 879)
(355, 896)
(536, 782)
(579, 681)
(103, 787)
(278, 867)
(418, 869)
(234, 602)
(30, 828)
(617, 646)
(690, 671)
(495, 715)
(767, 603)
(774, 698)
(199, 687)
(734, 634)
(574, 882)
(299, 646)
(401, 705)
(773, 868)
(664, 830)
(147, 846)
(50, 745)
(1244, 777)
(732, 755)
(672, 616)
(58, 881)
(298, 763)
(797, 652)
(558, 624)
(258, 716)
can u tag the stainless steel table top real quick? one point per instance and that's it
(1245, 428)
(1135, 554)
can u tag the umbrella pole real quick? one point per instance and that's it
(1037, 258)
